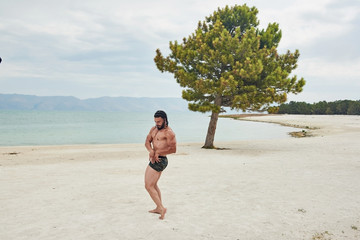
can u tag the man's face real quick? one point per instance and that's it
(160, 123)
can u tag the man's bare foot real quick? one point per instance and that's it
(162, 214)
(157, 211)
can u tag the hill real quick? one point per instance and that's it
(63, 103)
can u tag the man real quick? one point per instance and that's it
(159, 142)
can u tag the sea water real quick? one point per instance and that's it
(19, 128)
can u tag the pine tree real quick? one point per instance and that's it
(229, 62)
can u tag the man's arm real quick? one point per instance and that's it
(148, 146)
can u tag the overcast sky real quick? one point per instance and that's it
(94, 48)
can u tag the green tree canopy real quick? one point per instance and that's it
(229, 62)
(343, 107)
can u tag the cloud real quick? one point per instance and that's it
(92, 49)
(326, 32)
(331, 70)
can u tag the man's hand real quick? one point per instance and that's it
(156, 157)
(152, 156)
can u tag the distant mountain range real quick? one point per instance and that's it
(120, 104)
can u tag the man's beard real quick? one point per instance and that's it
(161, 127)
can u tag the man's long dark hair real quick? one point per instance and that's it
(163, 115)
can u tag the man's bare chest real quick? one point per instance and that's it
(158, 136)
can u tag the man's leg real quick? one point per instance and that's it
(159, 193)
(157, 188)
(151, 179)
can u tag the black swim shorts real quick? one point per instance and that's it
(159, 166)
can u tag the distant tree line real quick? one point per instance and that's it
(340, 107)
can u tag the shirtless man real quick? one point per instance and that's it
(159, 142)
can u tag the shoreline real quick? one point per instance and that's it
(295, 188)
(279, 119)
(191, 127)
(314, 123)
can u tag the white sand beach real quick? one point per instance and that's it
(294, 188)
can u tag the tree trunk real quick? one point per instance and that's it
(209, 141)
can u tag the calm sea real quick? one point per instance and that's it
(71, 127)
